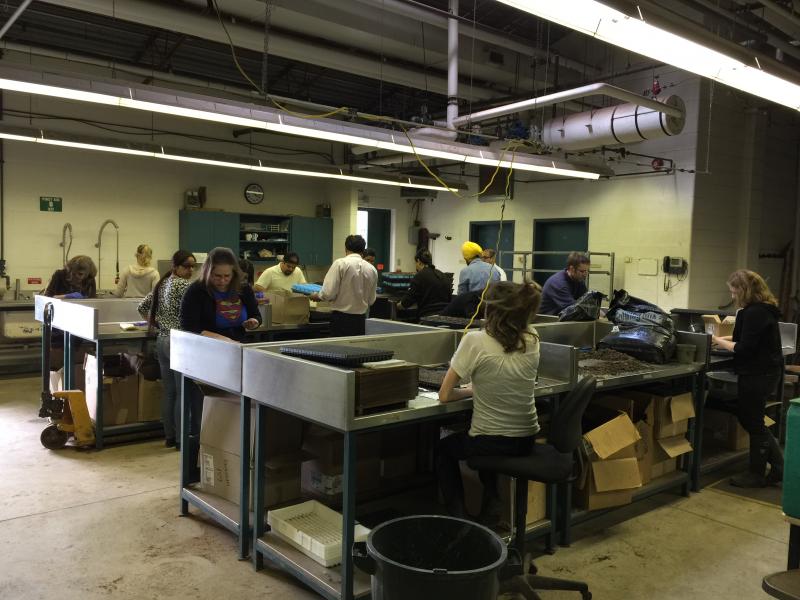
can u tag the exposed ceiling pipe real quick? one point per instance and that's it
(452, 65)
(14, 17)
(431, 16)
(781, 11)
(603, 89)
(163, 15)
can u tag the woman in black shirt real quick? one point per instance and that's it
(758, 360)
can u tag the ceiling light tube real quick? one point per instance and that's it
(614, 27)
(241, 115)
(338, 174)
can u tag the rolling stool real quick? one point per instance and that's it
(784, 585)
(557, 462)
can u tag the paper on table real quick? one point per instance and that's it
(127, 326)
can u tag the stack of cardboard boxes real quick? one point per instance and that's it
(662, 421)
(220, 452)
(127, 396)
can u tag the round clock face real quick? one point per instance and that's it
(254, 193)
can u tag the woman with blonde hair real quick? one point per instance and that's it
(501, 361)
(136, 281)
(758, 361)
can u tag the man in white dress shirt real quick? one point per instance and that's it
(349, 286)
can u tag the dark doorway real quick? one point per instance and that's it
(557, 235)
(484, 233)
(375, 224)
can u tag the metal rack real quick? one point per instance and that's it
(531, 255)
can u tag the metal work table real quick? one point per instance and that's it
(325, 395)
(97, 322)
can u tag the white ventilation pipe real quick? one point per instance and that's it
(593, 89)
(620, 124)
(452, 65)
(13, 19)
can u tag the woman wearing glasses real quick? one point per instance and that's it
(162, 308)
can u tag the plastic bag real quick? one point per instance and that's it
(625, 309)
(586, 308)
(650, 344)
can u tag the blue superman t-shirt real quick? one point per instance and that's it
(229, 313)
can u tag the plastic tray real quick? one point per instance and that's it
(314, 529)
(339, 355)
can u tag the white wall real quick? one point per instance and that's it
(643, 217)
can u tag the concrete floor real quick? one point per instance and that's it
(88, 525)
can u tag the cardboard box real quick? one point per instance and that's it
(328, 446)
(473, 496)
(324, 481)
(669, 415)
(724, 429)
(150, 395)
(220, 451)
(288, 307)
(120, 395)
(718, 327)
(613, 469)
(644, 450)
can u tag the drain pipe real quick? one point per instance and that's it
(594, 89)
(14, 17)
(452, 65)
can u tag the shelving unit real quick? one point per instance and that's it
(263, 237)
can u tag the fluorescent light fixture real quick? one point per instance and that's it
(614, 27)
(257, 165)
(257, 117)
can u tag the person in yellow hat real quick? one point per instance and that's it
(473, 278)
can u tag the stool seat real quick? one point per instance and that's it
(784, 585)
(544, 463)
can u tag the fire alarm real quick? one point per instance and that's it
(657, 164)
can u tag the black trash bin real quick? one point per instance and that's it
(430, 558)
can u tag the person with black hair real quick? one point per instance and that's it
(501, 361)
(162, 308)
(430, 289)
(282, 276)
(369, 255)
(248, 270)
(219, 304)
(350, 286)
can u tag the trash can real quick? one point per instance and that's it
(791, 464)
(431, 557)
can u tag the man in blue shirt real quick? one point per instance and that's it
(562, 289)
(474, 276)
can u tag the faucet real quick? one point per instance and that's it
(99, 244)
(63, 244)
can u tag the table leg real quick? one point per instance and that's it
(259, 481)
(98, 433)
(699, 393)
(244, 474)
(184, 441)
(69, 369)
(348, 513)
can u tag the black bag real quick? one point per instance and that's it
(586, 308)
(650, 344)
(626, 309)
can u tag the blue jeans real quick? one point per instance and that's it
(171, 381)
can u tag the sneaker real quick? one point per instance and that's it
(170, 443)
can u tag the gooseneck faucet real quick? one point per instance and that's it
(99, 244)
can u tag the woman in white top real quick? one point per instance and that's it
(501, 361)
(136, 281)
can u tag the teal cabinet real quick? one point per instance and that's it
(312, 239)
(200, 231)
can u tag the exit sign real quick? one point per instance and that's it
(49, 204)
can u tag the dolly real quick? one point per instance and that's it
(66, 410)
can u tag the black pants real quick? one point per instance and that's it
(753, 393)
(344, 324)
(461, 446)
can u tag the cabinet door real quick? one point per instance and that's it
(323, 238)
(196, 230)
(226, 231)
(301, 238)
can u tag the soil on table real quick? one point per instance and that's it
(610, 363)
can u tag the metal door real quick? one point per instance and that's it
(557, 235)
(484, 233)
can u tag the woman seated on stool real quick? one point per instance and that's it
(758, 360)
(502, 361)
